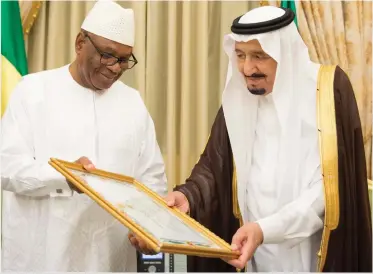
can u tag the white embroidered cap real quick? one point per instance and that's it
(109, 20)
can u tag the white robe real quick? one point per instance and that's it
(50, 115)
(296, 249)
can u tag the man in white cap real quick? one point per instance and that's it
(259, 181)
(79, 111)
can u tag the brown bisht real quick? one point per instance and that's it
(209, 190)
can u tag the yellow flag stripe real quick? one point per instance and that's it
(9, 79)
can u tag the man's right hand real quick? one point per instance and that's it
(173, 199)
(87, 165)
(178, 200)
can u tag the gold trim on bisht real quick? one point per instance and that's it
(29, 14)
(236, 206)
(328, 155)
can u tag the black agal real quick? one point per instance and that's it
(262, 27)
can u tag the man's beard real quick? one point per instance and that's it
(257, 91)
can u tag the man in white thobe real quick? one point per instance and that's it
(79, 111)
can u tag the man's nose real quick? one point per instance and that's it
(249, 67)
(115, 68)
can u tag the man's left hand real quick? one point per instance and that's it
(246, 240)
(87, 165)
(140, 245)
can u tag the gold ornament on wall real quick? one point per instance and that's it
(264, 3)
(29, 13)
(276, 3)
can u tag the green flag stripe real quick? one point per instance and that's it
(12, 43)
(290, 4)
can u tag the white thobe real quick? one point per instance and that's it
(292, 231)
(50, 115)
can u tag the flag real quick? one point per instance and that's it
(290, 4)
(13, 53)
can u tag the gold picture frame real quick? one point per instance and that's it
(165, 229)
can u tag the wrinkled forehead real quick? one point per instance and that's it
(109, 46)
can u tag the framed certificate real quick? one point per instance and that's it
(163, 228)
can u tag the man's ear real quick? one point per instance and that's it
(79, 42)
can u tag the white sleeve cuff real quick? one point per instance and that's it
(52, 179)
(272, 229)
(281, 227)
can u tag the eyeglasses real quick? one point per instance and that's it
(108, 59)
